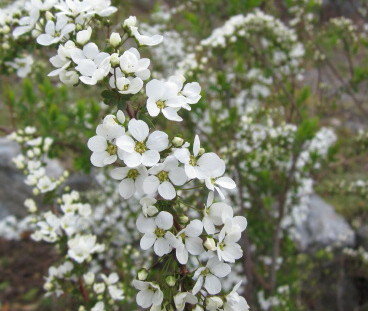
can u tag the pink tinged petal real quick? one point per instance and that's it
(212, 284)
(164, 220)
(147, 241)
(127, 188)
(97, 158)
(145, 225)
(90, 50)
(162, 247)
(158, 140)
(144, 298)
(152, 108)
(196, 145)
(194, 245)
(132, 159)
(125, 143)
(167, 190)
(226, 182)
(182, 254)
(177, 176)
(198, 285)
(194, 228)
(150, 158)
(97, 143)
(138, 129)
(171, 114)
(150, 184)
(155, 89)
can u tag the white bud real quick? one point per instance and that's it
(214, 303)
(170, 280)
(115, 39)
(47, 286)
(210, 244)
(6, 29)
(5, 46)
(49, 15)
(152, 210)
(114, 60)
(183, 219)
(201, 151)
(99, 288)
(142, 274)
(178, 141)
(89, 278)
(131, 21)
(83, 36)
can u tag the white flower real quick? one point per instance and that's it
(215, 184)
(145, 40)
(148, 206)
(149, 294)
(181, 299)
(188, 241)
(22, 65)
(55, 32)
(200, 166)
(163, 97)
(63, 58)
(103, 147)
(92, 64)
(125, 85)
(163, 177)
(214, 213)
(102, 8)
(82, 246)
(115, 292)
(155, 232)
(132, 63)
(214, 303)
(209, 276)
(234, 302)
(99, 306)
(142, 147)
(189, 95)
(131, 180)
(130, 21)
(227, 248)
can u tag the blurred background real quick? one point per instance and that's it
(284, 98)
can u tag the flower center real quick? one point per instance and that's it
(111, 149)
(221, 246)
(159, 232)
(160, 104)
(133, 173)
(125, 87)
(205, 272)
(192, 161)
(163, 176)
(140, 147)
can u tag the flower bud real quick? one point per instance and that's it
(129, 22)
(47, 286)
(49, 16)
(83, 36)
(152, 210)
(198, 308)
(99, 288)
(170, 280)
(81, 308)
(115, 39)
(114, 60)
(183, 219)
(201, 151)
(89, 278)
(210, 244)
(6, 29)
(178, 141)
(142, 274)
(5, 46)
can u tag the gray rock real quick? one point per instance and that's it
(324, 227)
